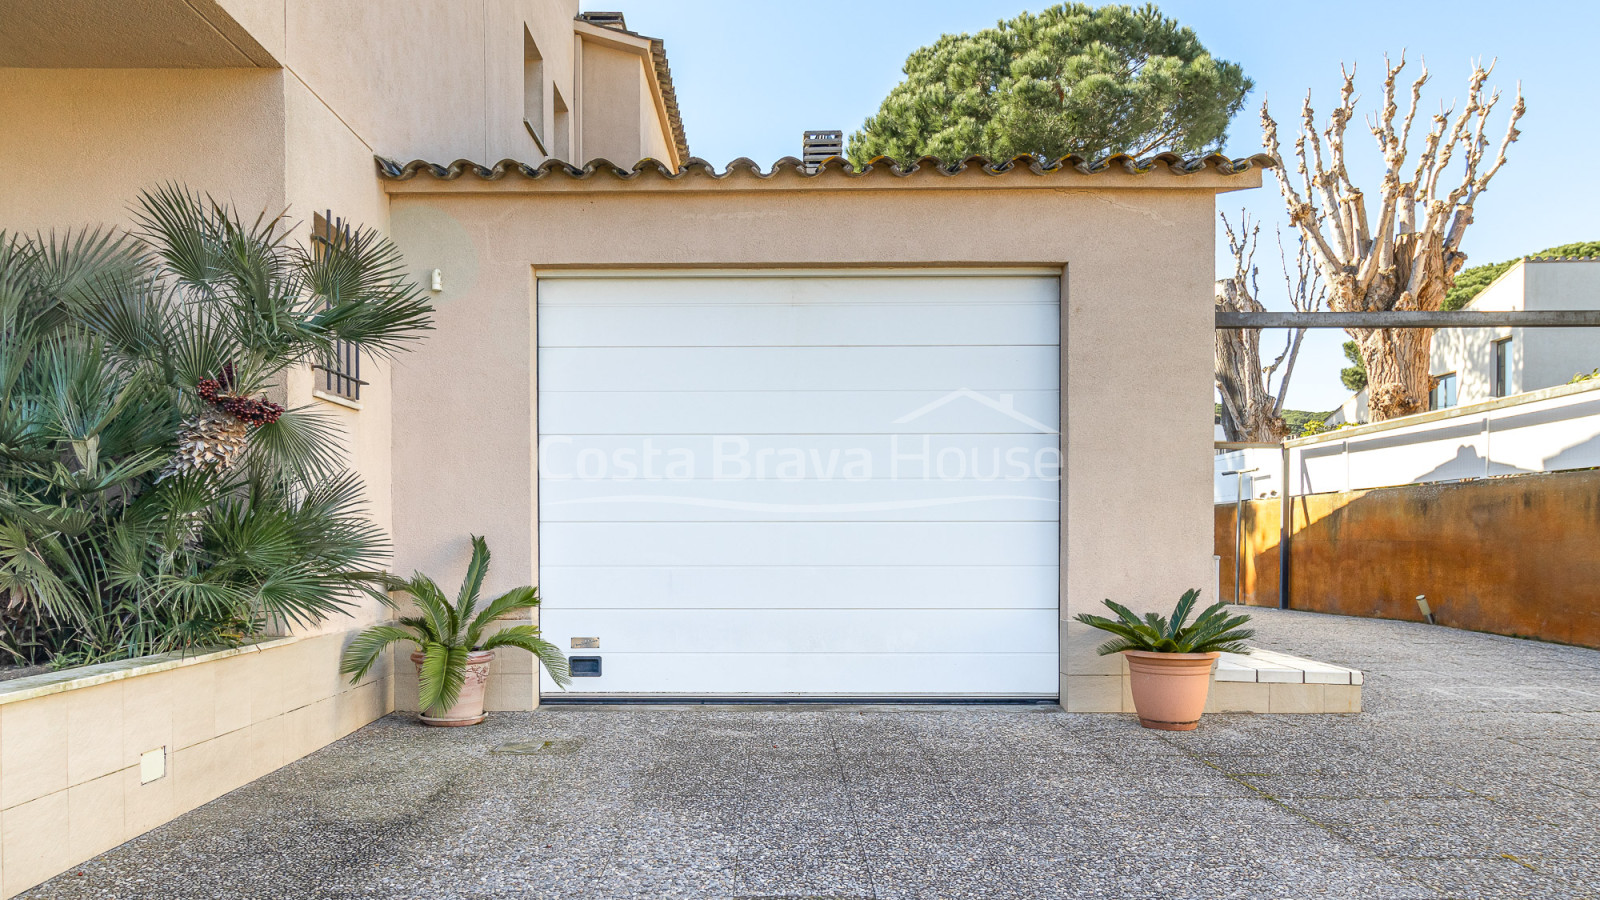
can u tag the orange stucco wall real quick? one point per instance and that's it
(1517, 556)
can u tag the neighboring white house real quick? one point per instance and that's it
(1478, 364)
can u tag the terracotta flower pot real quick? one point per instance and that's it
(468, 708)
(1169, 689)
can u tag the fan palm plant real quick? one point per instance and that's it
(446, 633)
(151, 498)
(1215, 630)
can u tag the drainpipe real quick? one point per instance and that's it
(1238, 524)
(1285, 520)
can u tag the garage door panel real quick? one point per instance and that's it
(697, 516)
(826, 674)
(807, 290)
(793, 326)
(798, 543)
(796, 587)
(888, 631)
(656, 369)
(772, 313)
(784, 412)
(881, 500)
(821, 450)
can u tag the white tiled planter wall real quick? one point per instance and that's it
(71, 742)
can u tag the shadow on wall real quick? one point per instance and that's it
(1518, 556)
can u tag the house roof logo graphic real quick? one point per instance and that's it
(1005, 404)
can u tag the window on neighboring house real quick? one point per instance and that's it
(533, 91)
(561, 143)
(1502, 367)
(340, 374)
(1444, 393)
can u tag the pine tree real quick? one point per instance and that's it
(1073, 79)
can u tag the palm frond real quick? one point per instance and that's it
(1181, 612)
(26, 576)
(1124, 613)
(431, 601)
(472, 584)
(527, 637)
(302, 446)
(1214, 630)
(368, 301)
(364, 651)
(67, 272)
(511, 601)
(444, 671)
(178, 223)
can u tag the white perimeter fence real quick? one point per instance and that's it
(1541, 431)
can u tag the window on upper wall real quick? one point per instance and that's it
(1502, 367)
(533, 91)
(1444, 393)
(340, 374)
(561, 140)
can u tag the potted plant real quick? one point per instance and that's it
(452, 655)
(1170, 662)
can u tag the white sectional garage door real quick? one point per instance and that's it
(772, 483)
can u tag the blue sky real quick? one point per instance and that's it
(752, 75)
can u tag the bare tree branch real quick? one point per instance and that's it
(1406, 256)
(1254, 407)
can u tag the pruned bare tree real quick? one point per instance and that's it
(1252, 409)
(1406, 257)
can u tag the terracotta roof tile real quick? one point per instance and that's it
(669, 97)
(834, 167)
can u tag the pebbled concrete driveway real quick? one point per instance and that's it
(1474, 772)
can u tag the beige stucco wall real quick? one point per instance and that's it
(436, 80)
(615, 135)
(1138, 258)
(82, 143)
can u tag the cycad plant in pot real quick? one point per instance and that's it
(452, 655)
(1169, 661)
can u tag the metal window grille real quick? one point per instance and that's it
(340, 374)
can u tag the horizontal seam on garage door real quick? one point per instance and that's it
(843, 272)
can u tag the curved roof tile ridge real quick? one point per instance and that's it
(833, 166)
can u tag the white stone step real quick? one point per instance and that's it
(1271, 667)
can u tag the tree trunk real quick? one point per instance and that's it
(1250, 409)
(1397, 361)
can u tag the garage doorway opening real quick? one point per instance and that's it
(802, 484)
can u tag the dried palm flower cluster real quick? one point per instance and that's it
(246, 409)
(216, 437)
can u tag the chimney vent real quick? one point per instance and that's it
(613, 20)
(818, 146)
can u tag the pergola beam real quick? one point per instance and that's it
(1539, 318)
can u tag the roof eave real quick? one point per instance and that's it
(1168, 170)
(660, 72)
